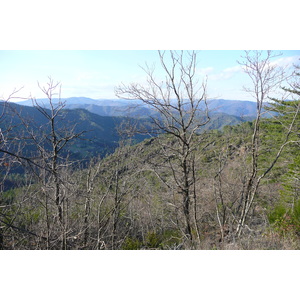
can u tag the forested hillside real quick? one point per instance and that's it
(201, 181)
(98, 134)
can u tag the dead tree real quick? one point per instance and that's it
(266, 77)
(180, 103)
(9, 155)
(45, 160)
(56, 138)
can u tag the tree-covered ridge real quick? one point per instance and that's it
(100, 135)
(100, 132)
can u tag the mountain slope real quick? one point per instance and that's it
(100, 132)
(233, 107)
(219, 120)
(99, 123)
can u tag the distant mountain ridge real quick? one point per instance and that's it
(239, 108)
(100, 123)
(78, 101)
(119, 107)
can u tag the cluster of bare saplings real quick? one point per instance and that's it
(159, 194)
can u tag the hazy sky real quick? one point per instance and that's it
(95, 73)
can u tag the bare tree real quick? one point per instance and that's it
(265, 77)
(180, 101)
(42, 152)
(9, 155)
(6, 140)
(56, 139)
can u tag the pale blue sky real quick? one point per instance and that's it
(95, 73)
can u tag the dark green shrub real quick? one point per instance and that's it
(170, 239)
(153, 240)
(286, 221)
(277, 213)
(131, 244)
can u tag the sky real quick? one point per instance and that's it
(96, 73)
